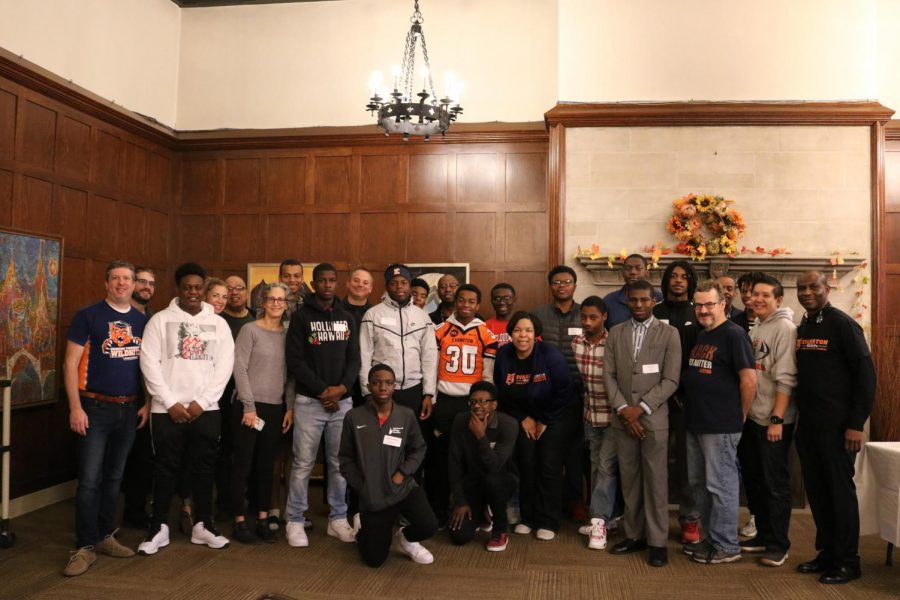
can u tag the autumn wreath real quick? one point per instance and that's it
(723, 226)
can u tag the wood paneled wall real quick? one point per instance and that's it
(370, 202)
(109, 193)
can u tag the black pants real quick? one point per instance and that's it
(573, 483)
(195, 443)
(828, 476)
(254, 451)
(437, 475)
(138, 479)
(687, 508)
(540, 485)
(224, 461)
(377, 528)
(767, 481)
(494, 490)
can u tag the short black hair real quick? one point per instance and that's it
(468, 287)
(639, 285)
(323, 268)
(289, 262)
(596, 302)
(750, 278)
(522, 314)
(635, 255)
(777, 288)
(381, 367)
(420, 283)
(484, 386)
(189, 268)
(561, 269)
(503, 286)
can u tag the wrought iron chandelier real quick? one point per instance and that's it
(399, 112)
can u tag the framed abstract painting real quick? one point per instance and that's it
(29, 314)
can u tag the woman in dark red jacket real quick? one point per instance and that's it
(535, 387)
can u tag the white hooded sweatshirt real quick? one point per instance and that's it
(186, 357)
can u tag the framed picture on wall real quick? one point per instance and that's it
(29, 314)
(261, 274)
(431, 272)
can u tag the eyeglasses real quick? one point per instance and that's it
(482, 402)
(147, 282)
(276, 301)
(448, 286)
(562, 282)
(708, 305)
(502, 299)
(235, 288)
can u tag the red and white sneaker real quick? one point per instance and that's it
(498, 544)
(690, 533)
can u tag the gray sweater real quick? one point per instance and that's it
(774, 348)
(259, 369)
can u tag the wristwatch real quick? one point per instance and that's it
(776, 420)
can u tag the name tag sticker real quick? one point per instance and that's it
(575, 331)
(339, 327)
(654, 368)
(493, 444)
(390, 440)
(666, 321)
(388, 321)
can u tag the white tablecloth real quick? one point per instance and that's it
(878, 489)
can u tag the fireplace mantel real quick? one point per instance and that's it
(784, 268)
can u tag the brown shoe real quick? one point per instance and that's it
(110, 546)
(80, 561)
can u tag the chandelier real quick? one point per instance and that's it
(399, 111)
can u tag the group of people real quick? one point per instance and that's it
(445, 420)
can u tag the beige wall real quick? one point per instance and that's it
(122, 50)
(804, 188)
(308, 64)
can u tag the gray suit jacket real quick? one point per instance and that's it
(650, 379)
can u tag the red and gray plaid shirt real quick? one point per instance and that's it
(589, 359)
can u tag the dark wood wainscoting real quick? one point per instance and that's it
(109, 193)
(371, 201)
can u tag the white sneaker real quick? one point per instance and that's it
(296, 535)
(749, 528)
(341, 529)
(152, 544)
(597, 541)
(208, 536)
(522, 529)
(585, 529)
(545, 534)
(357, 524)
(414, 550)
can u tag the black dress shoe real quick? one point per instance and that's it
(659, 557)
(840, 575)
(628, 546)
(819, 564)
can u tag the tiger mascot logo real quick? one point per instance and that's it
(120, 343)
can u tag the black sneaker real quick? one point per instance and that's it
(702, 547)
(752, 545)
(242, 533)
(264, 532)
(273, 523)
(773, 558)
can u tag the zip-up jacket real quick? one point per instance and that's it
(186, 357)
(321, 348)
(401, 337)
(370, 454)
(774, 351)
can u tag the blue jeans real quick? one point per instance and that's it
(713, 477)
(604, 472)
(310, 421)
(101, 461)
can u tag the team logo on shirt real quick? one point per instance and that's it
(761, 350)
(812, 344)
(395, 430)
(702, 357)
(120, 343)
(328, 331)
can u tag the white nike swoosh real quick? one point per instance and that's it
(360, 426)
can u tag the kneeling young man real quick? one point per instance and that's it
(381, 447)
(482, 472)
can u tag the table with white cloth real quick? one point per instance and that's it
(878, 491)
